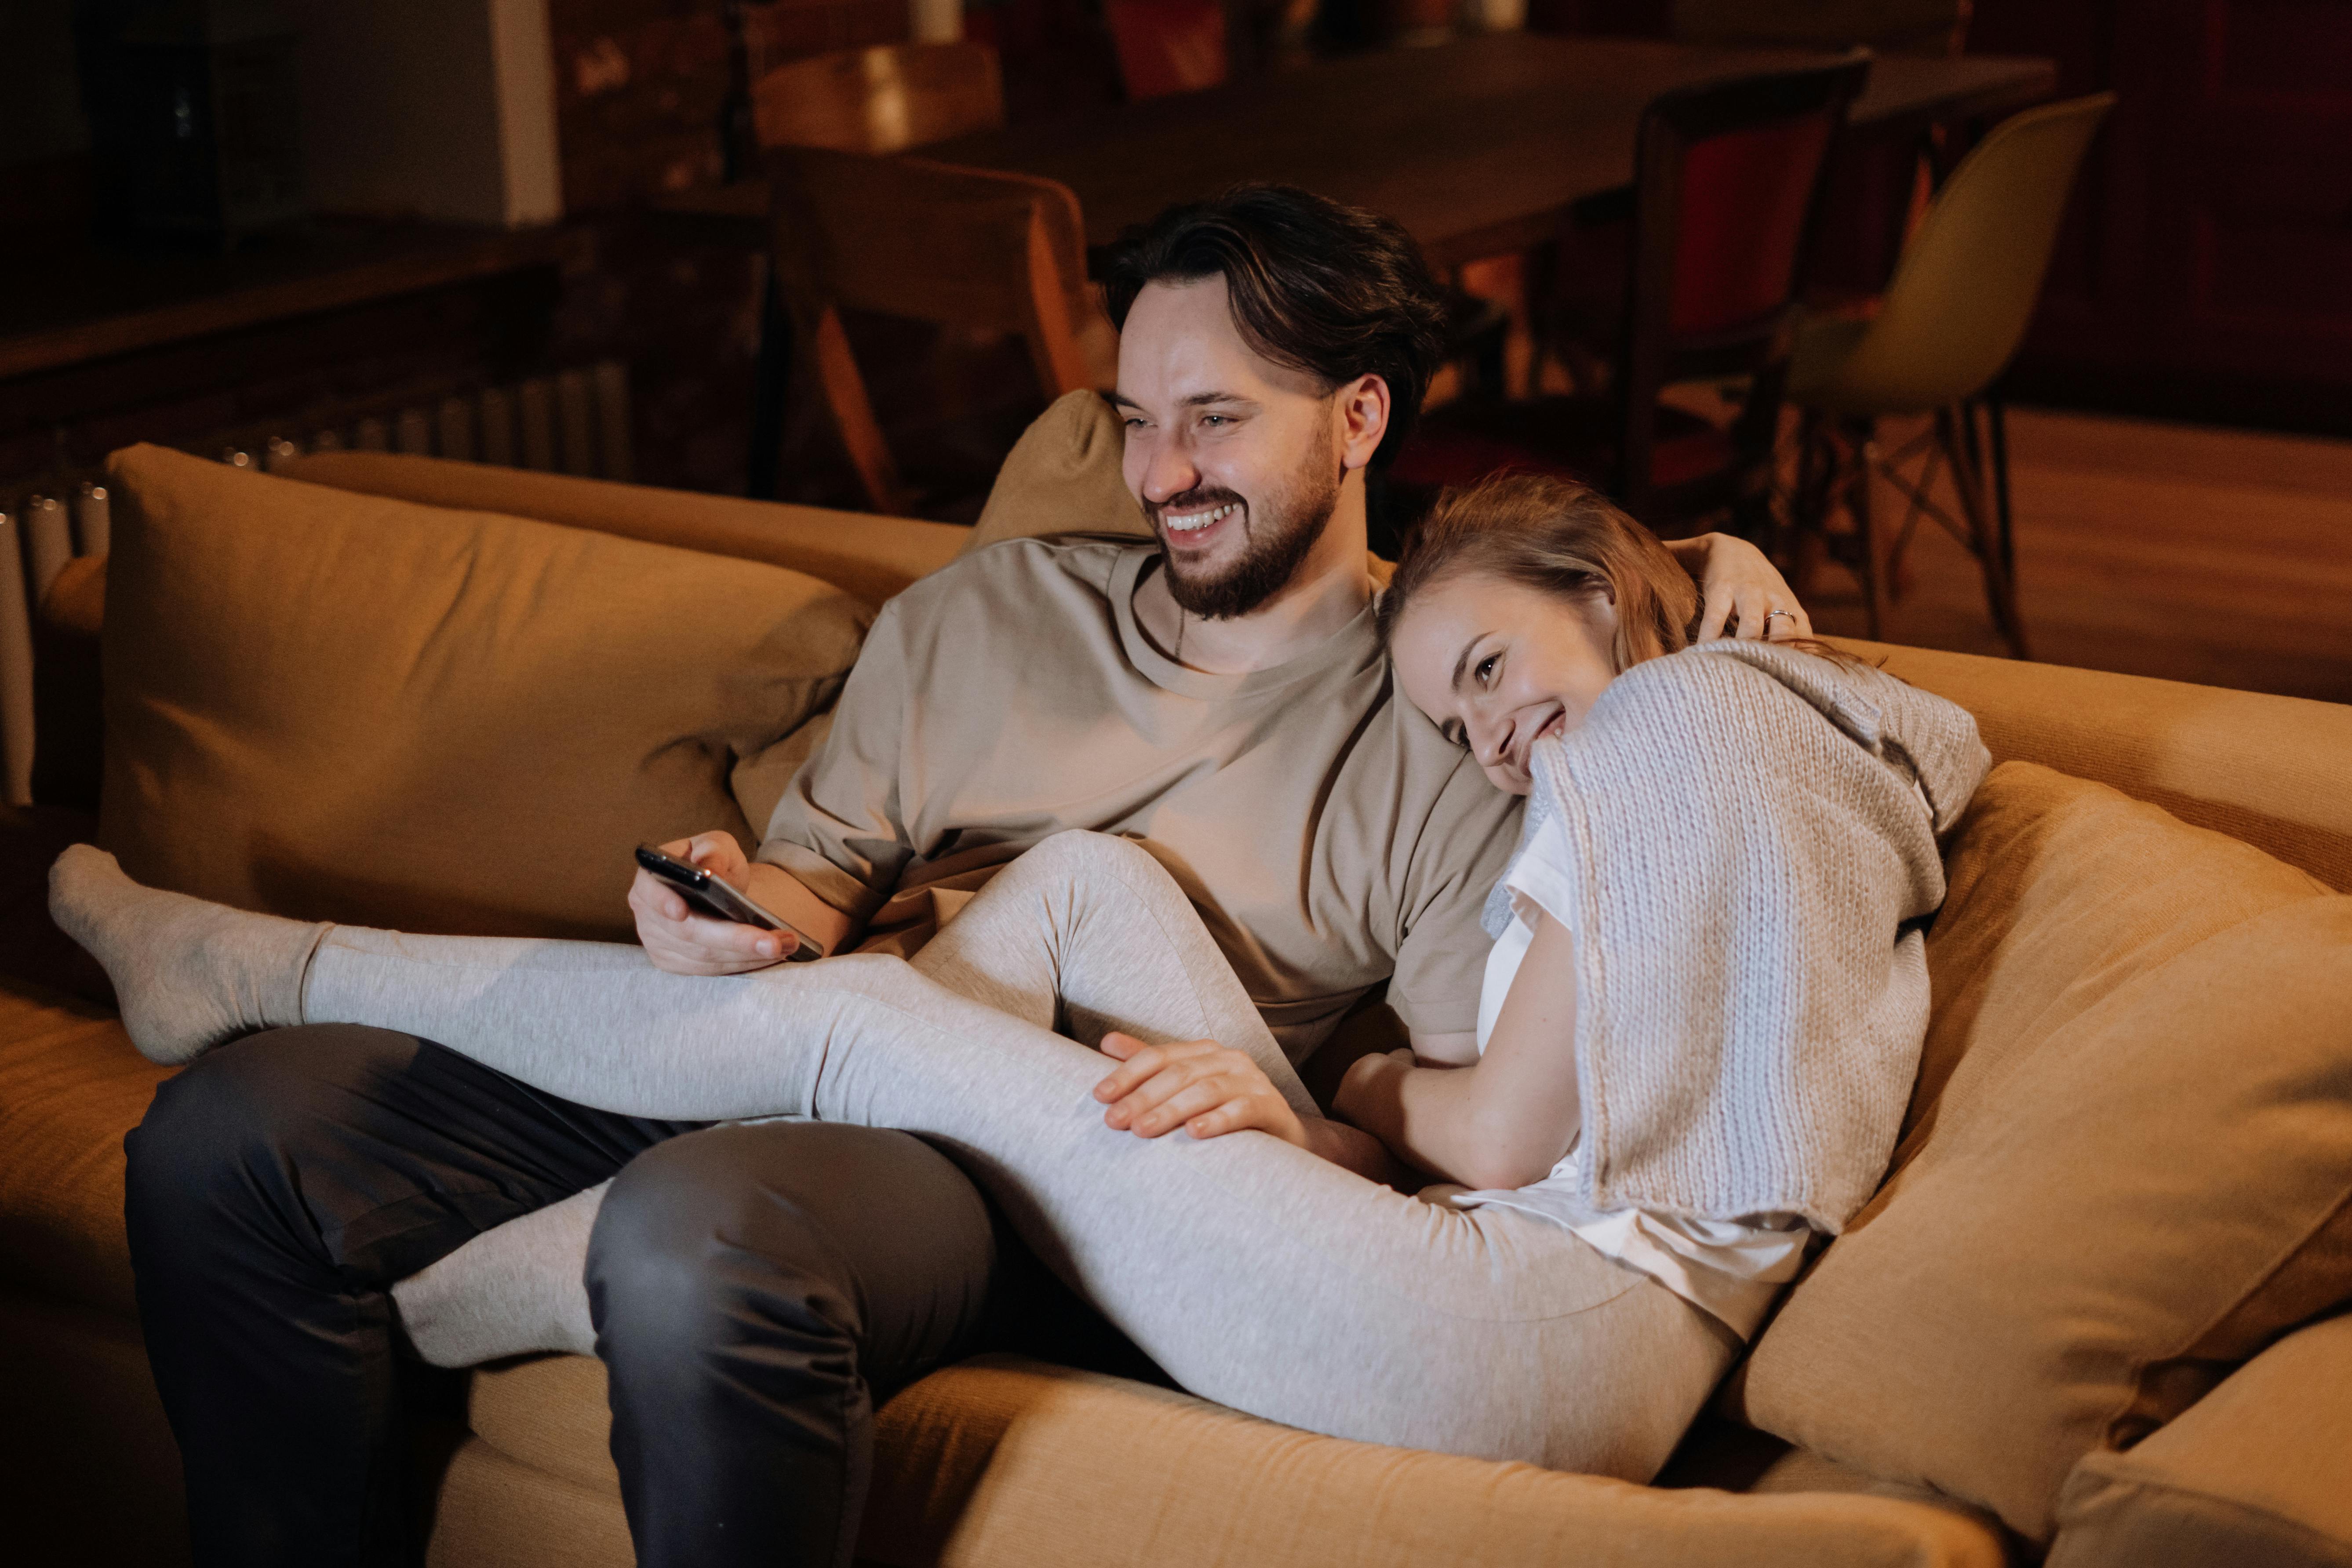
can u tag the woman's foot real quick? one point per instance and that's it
(188, 974)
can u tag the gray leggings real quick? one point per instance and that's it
(1256, 1274)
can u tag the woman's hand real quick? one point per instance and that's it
(1206, 1088)
(1210, 1090)
(1743, 595)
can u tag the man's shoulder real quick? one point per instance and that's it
(1429, 782)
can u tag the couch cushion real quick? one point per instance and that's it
(343, 706)
(863, 554)
(2127, 1164)
(1062, 476)
(1005, 1463)
(2256, 1472)
(71, 1086)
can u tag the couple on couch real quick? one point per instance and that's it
(1175, 808)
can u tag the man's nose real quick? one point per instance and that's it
(1171, 472)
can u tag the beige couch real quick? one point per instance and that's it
(2094, 1312)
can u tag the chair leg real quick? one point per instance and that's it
(1956, 429)
(1997, 426)
(1870, 554)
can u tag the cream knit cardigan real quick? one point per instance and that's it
(1752, 866)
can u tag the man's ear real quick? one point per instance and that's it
(1364, 405)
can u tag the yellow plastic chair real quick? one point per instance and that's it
(1953, 315)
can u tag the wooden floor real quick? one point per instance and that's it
(2218, 556)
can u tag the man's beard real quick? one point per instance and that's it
(1280, 532)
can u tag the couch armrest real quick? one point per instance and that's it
(863, 554)
(2269, 770)
(2255, 1472)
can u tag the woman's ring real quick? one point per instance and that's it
(1768, 619)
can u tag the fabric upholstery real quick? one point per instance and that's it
(2269, 770)
(1003, 1463)
(2255, 1472)
(89, 1473)
(473, 749)
(492, 1512)
(1062, 476)
(2126, 1167)
(867, 556)
(70, 1086)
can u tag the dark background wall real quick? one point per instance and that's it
(2203, 273)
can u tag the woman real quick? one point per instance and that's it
(1576, 1323)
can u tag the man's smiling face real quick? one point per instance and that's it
(1237, 460)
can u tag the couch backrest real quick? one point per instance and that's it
(865, 555)
(2269, 770)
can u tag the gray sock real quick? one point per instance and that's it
(188, 974)
(511, 1290)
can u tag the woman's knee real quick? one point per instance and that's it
(1077, 854)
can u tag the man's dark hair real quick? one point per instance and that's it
(1333, 290)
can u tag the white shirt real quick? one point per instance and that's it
(1731, 1269)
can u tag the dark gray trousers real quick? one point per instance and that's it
(757, 1291)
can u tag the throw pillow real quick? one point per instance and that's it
(344, 707)
(2127, 1165)
(1062, 476)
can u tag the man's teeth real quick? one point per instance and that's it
(1193, 522)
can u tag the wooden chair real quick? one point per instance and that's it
(832, 250)
(1879, 187)
(879, 100)
(929, 242)
(1727, 186)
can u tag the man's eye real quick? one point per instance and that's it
(1215, 419)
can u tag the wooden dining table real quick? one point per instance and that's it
(1479, 146)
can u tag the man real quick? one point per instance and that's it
(1219, 695)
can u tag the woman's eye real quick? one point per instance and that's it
(1486, 671)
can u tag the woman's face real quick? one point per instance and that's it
(1496, 665)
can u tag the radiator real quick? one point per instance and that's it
(575, 421)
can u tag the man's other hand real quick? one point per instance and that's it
(684, 943)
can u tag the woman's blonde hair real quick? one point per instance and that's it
(1560, 538)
